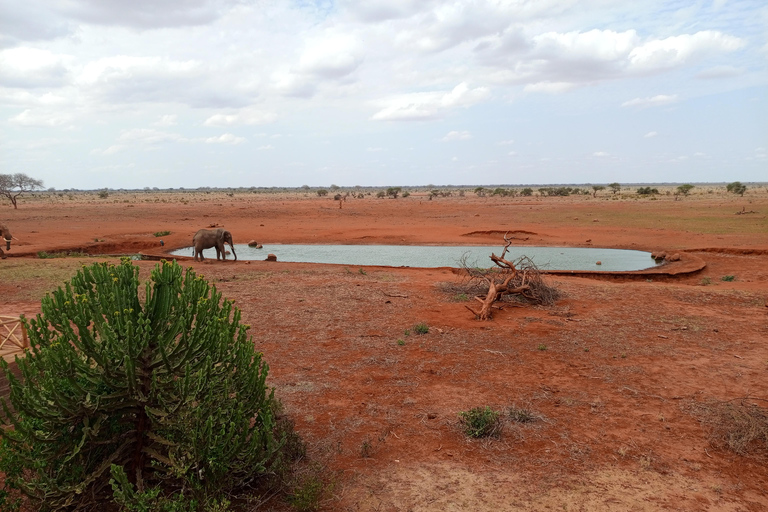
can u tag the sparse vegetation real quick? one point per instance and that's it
(685, 189)
(736, 188)
(736, 425)
(104, 420)
(421, 328)
(521, 415)
(728, 278)
(162, 233)
(14, 185)
(480, 422)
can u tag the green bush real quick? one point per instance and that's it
(162, 233)
(728, 278)
(160, 394)
(480, 422)
(421, 328)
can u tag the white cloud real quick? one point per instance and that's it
(457, 135)
(508, 142)
(166, 120)
(549, 87)
(600, 154)
(41, 118)
(430, 105)
(650, 135)
(265, 148)
(659, 100)
(247, 116)
(226, 138)
(31, 67)
(331, 56)
(659, 54)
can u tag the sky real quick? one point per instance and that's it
(250, 93)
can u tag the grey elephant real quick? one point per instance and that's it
(207, 238)
(5, 234)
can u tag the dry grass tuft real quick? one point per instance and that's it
(735, 424)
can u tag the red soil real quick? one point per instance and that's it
(614, 371)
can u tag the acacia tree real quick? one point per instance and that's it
(685, 189)
(13, 185)
(164, 393)
(737, 188)
(597, 188)
(615, 187)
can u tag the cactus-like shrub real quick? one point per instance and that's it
(160, 392)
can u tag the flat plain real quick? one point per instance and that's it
(623, 377)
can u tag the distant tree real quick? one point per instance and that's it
(480, 191)
(526, 192)
(615, 187)
(335, 187)
(14, 185)
(685, 189)
(647, 191)
(596, 189)
(381, 194)
(322, 192)
(737, 188)
(393, 192)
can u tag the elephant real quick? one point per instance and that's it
(5, 234)
(207, 238)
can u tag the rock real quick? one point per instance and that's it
(271, 257)
(674, 257)
(660, 255)
(599, 263)
(254, 243)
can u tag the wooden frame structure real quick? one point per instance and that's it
(11, 329)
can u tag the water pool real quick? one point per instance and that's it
(430, 256)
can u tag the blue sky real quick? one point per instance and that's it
(230, 93)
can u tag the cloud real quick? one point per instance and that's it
(661, 54)
(456, 135)
(549, 87)
(226, 138)
(31, 68)
(166, 120)
(265, 148)
(41, 118)
(508, 142)
(247, 116)
(659, 100)
(650, 135)
(143, 14)
(600, 154)
(430, 105)
(331, 56)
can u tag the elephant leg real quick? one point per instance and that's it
(2, 255)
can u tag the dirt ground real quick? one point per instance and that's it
(614, 373)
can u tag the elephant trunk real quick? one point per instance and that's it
(7, 244)
(233, 251)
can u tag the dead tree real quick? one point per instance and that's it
(519, 278)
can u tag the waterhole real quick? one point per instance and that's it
(430, 256)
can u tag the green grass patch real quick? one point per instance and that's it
(480, 422)
(162, 233)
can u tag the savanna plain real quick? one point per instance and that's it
(629, 393)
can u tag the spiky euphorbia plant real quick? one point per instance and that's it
(166, 386)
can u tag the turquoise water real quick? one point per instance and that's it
(428, 256)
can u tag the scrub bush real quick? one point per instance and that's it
(158, 397)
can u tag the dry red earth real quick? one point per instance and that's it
(615, 371)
